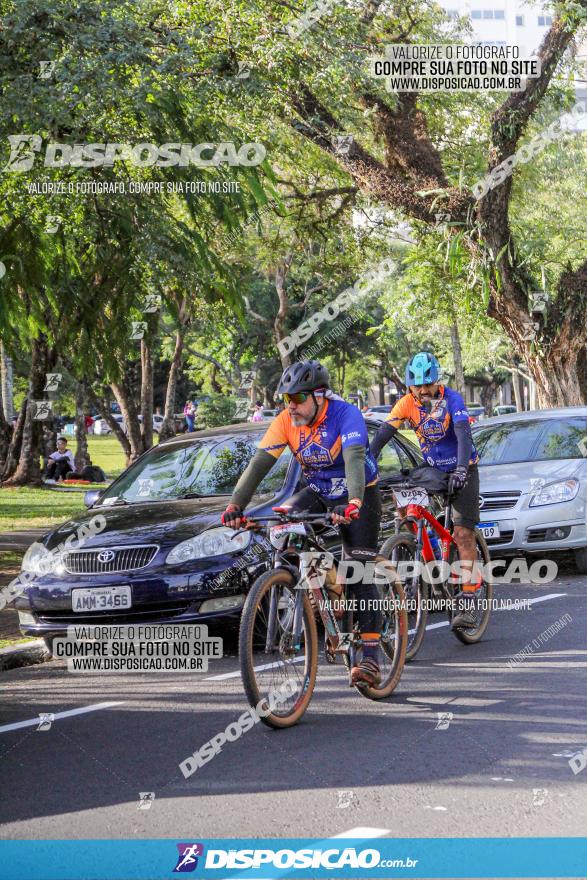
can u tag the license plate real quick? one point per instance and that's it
(489, 530)
(278, 534)
(403, 497)
(101, 599)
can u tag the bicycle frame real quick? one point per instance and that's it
(415, 511)
(310, 577)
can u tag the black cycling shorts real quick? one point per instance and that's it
(465, 504)
(359, 539)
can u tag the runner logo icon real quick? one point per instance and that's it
(187, 860)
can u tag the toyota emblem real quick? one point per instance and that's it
(481, 501)
(106, 556)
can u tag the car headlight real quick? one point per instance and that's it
(214, 542)
(38, 560)
(555, 493)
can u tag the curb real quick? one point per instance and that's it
(27, 654)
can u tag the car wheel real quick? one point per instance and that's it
(581, 560)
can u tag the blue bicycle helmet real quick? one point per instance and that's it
(422, 369)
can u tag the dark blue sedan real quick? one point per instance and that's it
(161, 553)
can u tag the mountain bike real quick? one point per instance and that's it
(278, 638)
(419, 567)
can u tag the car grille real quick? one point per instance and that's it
(499, 500)
(536, 535)
(505, 538)
(124, 559)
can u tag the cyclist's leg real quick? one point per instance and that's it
(309, 500)
(465, 520)
(360, 540)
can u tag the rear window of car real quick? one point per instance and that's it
(537, 440)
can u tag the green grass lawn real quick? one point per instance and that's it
(106, 452)
(26, 508)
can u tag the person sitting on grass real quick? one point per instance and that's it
(60, 463)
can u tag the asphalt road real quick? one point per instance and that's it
(501, 768)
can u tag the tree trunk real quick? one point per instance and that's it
(458, 359)
(28, 469)
(486, 395)
(5, 436)
(13, 453)
(518, 393)
(82, 455)
(49, 437)
(104, 411)
(147, 392)
(131, 420)
(6, 378)
(168, 427)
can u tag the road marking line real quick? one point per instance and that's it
(361, 833)
(70, 712)
(236, 674)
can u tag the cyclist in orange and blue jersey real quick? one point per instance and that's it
(440, 419)
(329, 439)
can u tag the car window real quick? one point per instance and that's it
(563, 439)
(389, 461)
(530, 441)
(209, 466)
(392, 458)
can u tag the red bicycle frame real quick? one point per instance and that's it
(415, 511)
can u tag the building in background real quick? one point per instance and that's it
(515, 23)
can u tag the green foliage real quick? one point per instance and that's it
(218, 410)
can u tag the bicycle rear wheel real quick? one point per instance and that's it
(484, 595)
(401, 548)
(267, 670)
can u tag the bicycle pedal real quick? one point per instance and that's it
(330, 658)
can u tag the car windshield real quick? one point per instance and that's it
(536, 440)
(209, 466)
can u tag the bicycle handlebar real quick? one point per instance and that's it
(304, 516)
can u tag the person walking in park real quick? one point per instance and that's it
(189, 412)
(258, 413)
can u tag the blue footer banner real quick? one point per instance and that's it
(293, 858)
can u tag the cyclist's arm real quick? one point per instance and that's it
(270, 448)
(392, 423)
(255, 472)
(465, 443)
(354, 469)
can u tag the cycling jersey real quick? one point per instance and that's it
(319, 448)
(434, 430)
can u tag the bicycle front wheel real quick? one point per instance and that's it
(278, 675)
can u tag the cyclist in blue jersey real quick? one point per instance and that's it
(329, 439)
(441, 421)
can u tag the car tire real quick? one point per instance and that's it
(581, 560)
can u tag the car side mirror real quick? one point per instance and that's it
(91, 497)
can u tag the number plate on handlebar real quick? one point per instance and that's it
(278, 534)
(403, 497)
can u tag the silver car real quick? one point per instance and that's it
(533, 472)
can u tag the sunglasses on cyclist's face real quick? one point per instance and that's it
(299, 397)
